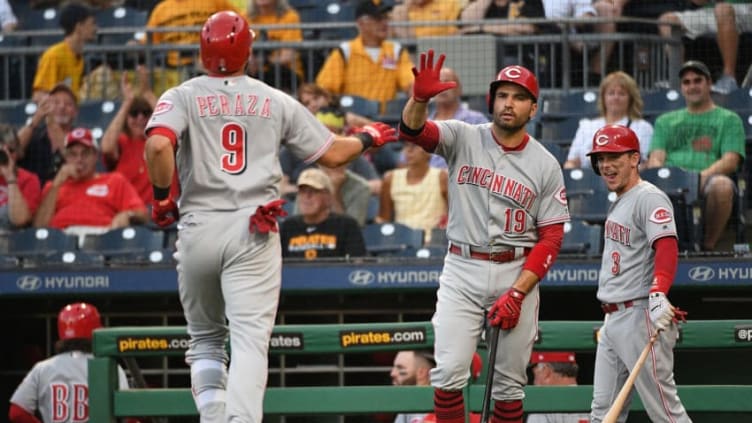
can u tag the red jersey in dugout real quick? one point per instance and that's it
(93, 202)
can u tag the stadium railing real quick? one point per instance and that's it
(106, 402)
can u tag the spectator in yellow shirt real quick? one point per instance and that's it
(188, 13)
(63, 62)
(368, 66)
(425, 10)
(276, 12)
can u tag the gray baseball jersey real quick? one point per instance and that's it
(58, 388)
(635, 220)
(230, 130)
(229, 133)
(499, 197)
(558, 418)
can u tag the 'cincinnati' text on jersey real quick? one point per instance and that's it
(240, 105)
(617, 232)
(497, 184)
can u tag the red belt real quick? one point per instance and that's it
(496, 257)
(612, 307)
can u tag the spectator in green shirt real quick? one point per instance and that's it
(704, 138)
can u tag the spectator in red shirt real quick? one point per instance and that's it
(81, 201)
(124, 140)
(19, 189)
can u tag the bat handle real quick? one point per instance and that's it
(492, 346)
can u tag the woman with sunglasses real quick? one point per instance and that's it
(124, 140)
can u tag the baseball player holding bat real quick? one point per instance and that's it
(227, 129)
(507, 210)
(640, 257)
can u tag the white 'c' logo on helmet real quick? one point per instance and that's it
(601, 140)
(512, 72)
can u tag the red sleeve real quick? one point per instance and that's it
(544, 253)
(29, 184)
(165, 132)
(666, 261)
(19, 415)
(129, 198)
(427, 137)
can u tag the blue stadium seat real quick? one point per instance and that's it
(360, 105)
(330, 12)
(558, 131)
(17, 113)
(438, 238)
(42, 20)
(72, 258)
(558, 150)
(582, 238)
(39, 241)
(426, 252)
(683, 188)
(658, 102)
(739, 101)
(96, 115)
(393, 110)
(9, 262)
(587, 195)
(580, 104)
(373, 208)
(130, 241)
(112, 21)
(391, 238)
(154, 257)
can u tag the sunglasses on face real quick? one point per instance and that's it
(135, 113)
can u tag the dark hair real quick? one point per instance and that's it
(426, 355)
(72, 14)
(564, 369)
(137, 105)
(75, 344)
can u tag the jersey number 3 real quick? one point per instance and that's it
(234, 149)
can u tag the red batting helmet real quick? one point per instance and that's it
(226, 42)
(612, 139)
(515, 74)
(77, 321)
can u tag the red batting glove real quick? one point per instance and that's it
(265, 218)
(427, 83)
(505, 312)
(679, 315)
(164, 212)
(381, 133)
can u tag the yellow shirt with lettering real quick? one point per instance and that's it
(59, 64)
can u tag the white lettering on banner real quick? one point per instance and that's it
(572, 275)
(409, 276)
(76, 282)
(735, 273)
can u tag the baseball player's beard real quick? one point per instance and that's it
(509, 128)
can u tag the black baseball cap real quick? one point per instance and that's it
(375, 8)
(697, 66)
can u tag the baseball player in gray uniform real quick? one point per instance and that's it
(227, 129)
(640, 256)
(57, 389)
(507, 210)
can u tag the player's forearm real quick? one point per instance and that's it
(415, 114)
(160, 160)
(343, 150)
(526, 281)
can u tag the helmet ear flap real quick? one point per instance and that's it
(594, 164)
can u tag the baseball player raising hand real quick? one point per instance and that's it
(640, 255)
(507, 210)
(227, 129)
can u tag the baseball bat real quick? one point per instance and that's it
(492, 345)
(615, 410)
